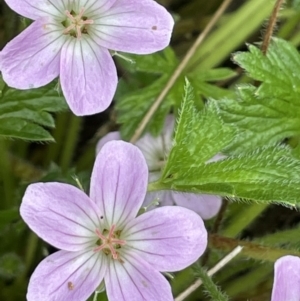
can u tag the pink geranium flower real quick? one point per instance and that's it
(286, 285)
(102, 238)
(71, 39)
(155, 150)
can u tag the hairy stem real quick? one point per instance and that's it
(271, 26)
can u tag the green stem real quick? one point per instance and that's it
(70, 143)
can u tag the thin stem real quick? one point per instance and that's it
(211, 272)
(71, 140)
(271, 26)
(179, 70)
(216, 227)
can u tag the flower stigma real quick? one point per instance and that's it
(110, 243)
(76, 25)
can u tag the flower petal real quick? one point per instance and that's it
(170, 238)
(119, 182)
(286, 279)
(34, 9)
(67, 276)
(134, 26)
(93, 8)
(135, 280)
(61, 214)
(108, 137)
(207, 206)
(88, 76)
(155, 149)
(31, 59)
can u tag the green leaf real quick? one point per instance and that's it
(157, 63)
(24, 113)
(268, 174)
(22, 129)
(198, 135)
(270, 113)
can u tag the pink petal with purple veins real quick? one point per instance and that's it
(286, 285)
(34, 9)
(108, 137)
(134, 26)
(168, 238)
(207, 206)
(88, 76)
(94, 8)
(32, 59)
(135, 280)
(61, 214)
(119, 182)
(67, 276)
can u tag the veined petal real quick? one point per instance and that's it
(286, 285)
(31, 59)
(94, 8)
(108, 137)
(153, 151)
(67, 276)
(207, 206)
(88, 76)
(119, 182)
(134, 26)
(34, 9)
(61, 214)
(169, 238)
(135, 280)
(156, 149)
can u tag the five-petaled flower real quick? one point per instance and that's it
(102, 239)
(71, 39)
(155, 150)
(286, 285)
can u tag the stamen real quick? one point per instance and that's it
(109, 242)
(78, 24)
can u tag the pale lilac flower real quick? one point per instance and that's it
(155, 150)
(286, 285)
(71, 38)
(102, 239)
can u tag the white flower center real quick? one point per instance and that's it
(110, 242)
(76, 25)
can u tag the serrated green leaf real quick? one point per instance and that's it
(267, 174)
(198, 136)
(21, 129)
(40, 117)
(261, 121)
(270, 113)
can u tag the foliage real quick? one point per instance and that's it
(24, 114)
